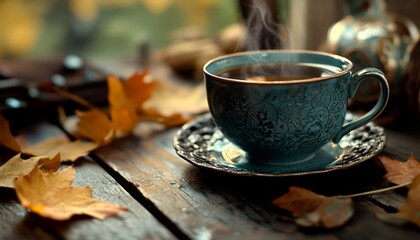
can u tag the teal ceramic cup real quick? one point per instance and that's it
(281, 107)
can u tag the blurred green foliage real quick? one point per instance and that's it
(107, 28)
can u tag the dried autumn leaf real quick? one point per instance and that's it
(124, 120)
(314, 210)
(50, 194)
(170, 98)
(69, 150)
(410, 211)
(17, 166)
(117, 97)
(123, 111)
(6, 137)
(50, 164)
(139, 88)
(96, 126)
(399, 172)
(411, 208)
(169, 121)
(127, 107)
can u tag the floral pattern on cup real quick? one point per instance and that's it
(259, 123)
(286, 120)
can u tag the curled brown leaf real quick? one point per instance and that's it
(400, 172)
(410, 210)
(314, 210)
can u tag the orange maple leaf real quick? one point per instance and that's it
(139, 88)
(314, 210)
(50, 194)
(126, 109)
(127, 103)
(123, 111)
(400, 172)
(96, 126)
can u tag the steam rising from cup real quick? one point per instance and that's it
(260, 18)
(261, 22)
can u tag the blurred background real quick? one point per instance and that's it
(115, 28)
(101, 28)
(104, 28)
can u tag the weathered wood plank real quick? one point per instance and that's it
(365, 225)
(206, 205)
(137, 223)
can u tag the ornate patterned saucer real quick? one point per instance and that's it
(200, 143)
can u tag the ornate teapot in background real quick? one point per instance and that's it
(371, 37)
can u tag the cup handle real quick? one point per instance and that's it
(367, 73)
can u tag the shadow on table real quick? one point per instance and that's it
(364, 177)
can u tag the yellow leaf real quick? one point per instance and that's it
(96, 126)
(69, 150)
(314, 210)
(6, 137)
(399, 172)
(17, 166)
(50, 195)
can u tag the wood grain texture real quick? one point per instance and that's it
(214, 206)
(137, 223)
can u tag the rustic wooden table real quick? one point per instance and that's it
(168, 198)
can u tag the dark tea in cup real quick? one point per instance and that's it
(278, 71)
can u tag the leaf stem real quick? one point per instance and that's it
(375, 191)
(74, 98)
